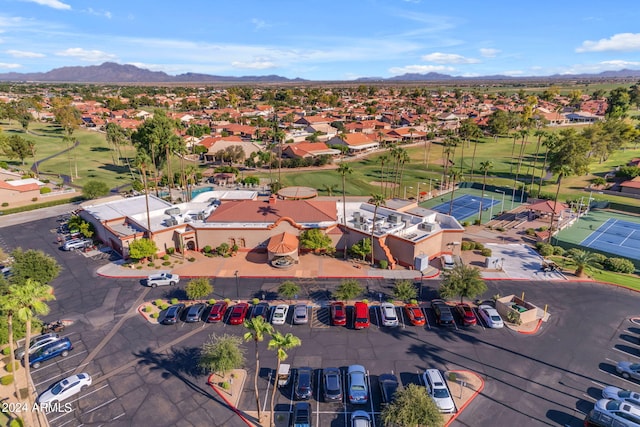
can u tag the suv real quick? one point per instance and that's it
(438, 390)
(624, 413)
(36, 343)
(163, 279)
(444, 316)
(49, 351)
(388, 314)
(302, 414)
(361, 315)
(303, 388)
(596, 418)
(195, 312)
(74, 244)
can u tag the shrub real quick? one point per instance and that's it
(466, 245)
(255, 301)
(514, 317)
(165, 257)
(225, 385)
(599, 258)
(157, 302)
(154, 315)
(174, 300)
(619, 265)
(476, 222)
(530, 232)
(366, 301)
(558, 250)
(148, 309)
(35, 199)
(191, 259)
(485, 252)
(478, 246)
(466, 223)
(413, 301)
(384, 264)
(227, 300)
(5, 204)
(206, 249)
(171, 251)
(6, 380)
(164, 306)
(499, 229)
(546, 249)
(45, 190)
(212, 301)
(152, 265)
(16, 366)
(139, 267)
(165, 263)
(6, 351)
(599, 181)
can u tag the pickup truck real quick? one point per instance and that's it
(163, 279)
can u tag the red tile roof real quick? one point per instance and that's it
(260, 211)
(283, 243)
(632, 183)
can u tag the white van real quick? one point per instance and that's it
(74, 244)
(447, 262)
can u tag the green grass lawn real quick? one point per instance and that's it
(628, 280)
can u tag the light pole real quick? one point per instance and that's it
(237, 285)
(502, 205)
(491, 209)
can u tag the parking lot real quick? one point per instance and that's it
(145, 374)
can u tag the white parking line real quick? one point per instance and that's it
(370, 398)
(59, 359)
(625, 352)
(400, 316)
(59, 375)
(62, 415)
(478, 321)
(598, 384)
(619, 377)
(100, 406)
(377, 317)
(114, 418)
(67, 422)
(426, 318)
(589, 397)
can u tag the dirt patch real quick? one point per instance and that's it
(387, 184)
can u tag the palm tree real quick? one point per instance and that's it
(540, 133)
(376, 200)
(513, 150)
(581, 259)
(344, 170)
(485, 167)
(257, 328)
(30, 299)
(142, 162)
(8, 305)
(453, 177)
(280, 343)
(550, 141)
(383, 160)
(562, 170)
(329, 188)
(403, 158)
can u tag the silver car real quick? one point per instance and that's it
(615, 393)
(388, 314)
(300, 314)
(629, 370)
(36, 344)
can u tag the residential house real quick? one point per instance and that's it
(355, 142)
(304, 150)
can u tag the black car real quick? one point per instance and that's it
(302, 414)
(444, 316)
(332, 381)
(303, 385)
(388, 387)
(172, 315)
(261, 309)
(194, 313)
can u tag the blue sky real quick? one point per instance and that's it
(323, 40)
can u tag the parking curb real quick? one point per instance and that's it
(534, 331)
(473, 396)
(231, 405)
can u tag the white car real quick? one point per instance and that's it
(163, 279)
(388, 314)
(65, 388)
(438, 390)
(615, 393)
(490, 316)
(280, 314)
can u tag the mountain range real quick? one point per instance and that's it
(110, 72)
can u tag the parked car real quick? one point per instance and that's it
(444, 316)
(300, 314)
(490, 316)
(35, 344)
(280, 314)
(629, 370)
(438, 390)
(615, 393)
(388, 314)
(360, 419)
(65, 388)
(260, 309)
(467, 314)
(173, 313)
(302, 414)
(74, 244)
(625, 413)
(163, 279)
(388, 387)
(284, 374)
(194, 313)
(358, 389)
(338, 314)
(216, 314)
(332, 382)
(62, 347)
(361, 318)
(238, 313)
(596, 418)
(414, 314)
(304, 383)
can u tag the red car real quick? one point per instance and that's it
(415, 315)
(361, 318)
(467, 314)
(216, 314)
(238, 313)
(338, 314)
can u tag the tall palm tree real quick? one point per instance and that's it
(404, 158)
(383, 160)
(513, 150)
(550, 141)
(454, 177)
(257, 328)
(376, 200)
(395, 151)
(344, 169)
(540, 133)
(30, 299)
(485, 167)
(8, 305)
(142, 161)
(280, 343)
(562, 171)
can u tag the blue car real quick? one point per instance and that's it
(55, 349)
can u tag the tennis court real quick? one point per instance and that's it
(617, 237)
(466, 206)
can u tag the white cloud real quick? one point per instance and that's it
(105, 13)
(448, 58)
(513, 73)
(257, 64)
(24, 54)
(56, 4)
(421, 69)
(9, 66)
(259, 24)
(615, 64)
(489, 53)
(617, 42)
(87, 55)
